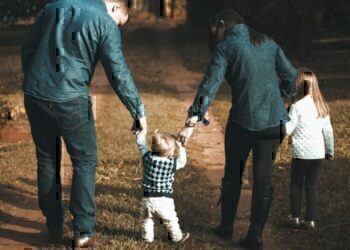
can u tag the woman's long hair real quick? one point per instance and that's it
(223, 22)
(307, 84)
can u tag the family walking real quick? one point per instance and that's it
(58, 59)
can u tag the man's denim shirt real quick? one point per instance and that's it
(252, 72)
(62, 49)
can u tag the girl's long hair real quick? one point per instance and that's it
(307, 84)
(223, 22)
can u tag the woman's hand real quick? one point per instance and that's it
(185, 135)
(139, 125)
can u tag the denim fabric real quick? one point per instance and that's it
(63, 47)
(252, 73)
(264, 144)
(239, 142)
(73, 121)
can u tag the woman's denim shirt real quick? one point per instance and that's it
(253, 73)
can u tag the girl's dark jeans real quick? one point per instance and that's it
(306, 171)
(73, 121)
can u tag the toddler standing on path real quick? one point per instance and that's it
(159, 170)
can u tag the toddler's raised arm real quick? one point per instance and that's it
(141, 142)
(181, 159)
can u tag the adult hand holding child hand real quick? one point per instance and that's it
(187, 131)
(185, 135)
(139, 125)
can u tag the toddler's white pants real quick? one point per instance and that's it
(163, 208)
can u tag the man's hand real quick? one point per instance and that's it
(139, 125)
(185, 135)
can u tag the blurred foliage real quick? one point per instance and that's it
(293, 23)
(13, 10)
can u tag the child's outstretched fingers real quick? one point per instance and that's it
(179, 143)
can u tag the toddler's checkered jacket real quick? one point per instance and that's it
(159, 172)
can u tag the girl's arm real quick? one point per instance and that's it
(181, 159)
(328, 136)
(294, 119)
(142, 143)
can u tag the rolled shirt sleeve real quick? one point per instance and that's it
(211, 82)
(287, 72)
(117, 71)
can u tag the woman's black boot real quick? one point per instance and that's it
(230, 195)
(259, 213)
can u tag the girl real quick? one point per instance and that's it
(309, 127)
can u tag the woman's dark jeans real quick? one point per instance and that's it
(73, 121)
(308, 171)
(238, 143)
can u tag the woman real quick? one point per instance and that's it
(250, 62)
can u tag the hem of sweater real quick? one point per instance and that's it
(282, 122)
(59, 100)
(307, 158)
(152, 194)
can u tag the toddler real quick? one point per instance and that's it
(160, 166)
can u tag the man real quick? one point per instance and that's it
(58, 59)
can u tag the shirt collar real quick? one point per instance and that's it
(240, 30)
(99, 3)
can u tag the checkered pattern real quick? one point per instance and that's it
(159, 175)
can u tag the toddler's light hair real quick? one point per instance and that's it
(163, 144)
(123, 3)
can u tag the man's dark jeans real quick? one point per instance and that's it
(73, 121)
